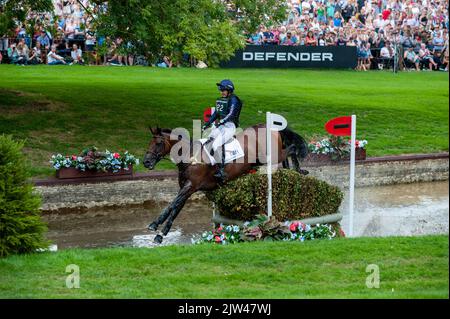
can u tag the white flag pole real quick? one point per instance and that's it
(269, 162)
(352, 175)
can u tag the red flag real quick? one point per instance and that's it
(340, 126)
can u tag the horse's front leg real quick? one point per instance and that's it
(161, 218)
(175, 207)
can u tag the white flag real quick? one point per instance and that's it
(277, 122)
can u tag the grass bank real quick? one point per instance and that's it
(409, 267)
(64, 109)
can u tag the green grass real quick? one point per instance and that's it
(410, 267)
(64, 109)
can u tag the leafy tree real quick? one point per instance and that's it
(208, 30)
(21, 228)
(13, 11)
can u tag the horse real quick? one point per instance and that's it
(194, 177)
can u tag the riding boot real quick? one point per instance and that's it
(220, 173)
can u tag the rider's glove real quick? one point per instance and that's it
(205, 126)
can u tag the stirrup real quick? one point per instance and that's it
(220, 173)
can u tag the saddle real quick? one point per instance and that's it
(233, 151)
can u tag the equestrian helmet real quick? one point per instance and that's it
(225, 85)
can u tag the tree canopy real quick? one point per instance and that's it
(13, 11)
(208, 30)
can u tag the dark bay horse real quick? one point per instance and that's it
(193, 177)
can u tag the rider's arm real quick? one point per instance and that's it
(211, 120)
(234, 109)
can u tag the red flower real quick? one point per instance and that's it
(294, 227)
(219, 229)
(252, 171)
(116, 155)
(74, 158)
(218, 240)
(341, 232)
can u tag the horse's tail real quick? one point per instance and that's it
(290, 138)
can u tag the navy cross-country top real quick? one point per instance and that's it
(227, 110)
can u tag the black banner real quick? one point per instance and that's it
(219, 308)
(279, 56)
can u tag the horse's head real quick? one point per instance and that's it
(158, 148)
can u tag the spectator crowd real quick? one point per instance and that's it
(59, 37)
(416, 31)
(413, 31)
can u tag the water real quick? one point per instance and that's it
(408, 209)
(124, 225)
(400, 210)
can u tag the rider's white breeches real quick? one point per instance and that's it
(222, 134)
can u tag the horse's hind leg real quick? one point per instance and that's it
(297, 165)
(286, 153)
(176, 206)
(295, 162)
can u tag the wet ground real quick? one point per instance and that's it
(407, 209)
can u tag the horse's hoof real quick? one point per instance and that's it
(304, 172)
(158, 239)
(152, 227)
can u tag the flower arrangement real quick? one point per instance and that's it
(321, 147)
(302, 232)
(336, 146)
(92, 159)
(268, 229)
(221, 235)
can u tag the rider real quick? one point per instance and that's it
(228, 109)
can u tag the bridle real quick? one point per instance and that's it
(157, 155)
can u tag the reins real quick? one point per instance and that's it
(158, 156)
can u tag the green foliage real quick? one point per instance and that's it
(21, 228)
(13, 11)
(294, 196)
(253, 13)
(265, 228)
(204, 29)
